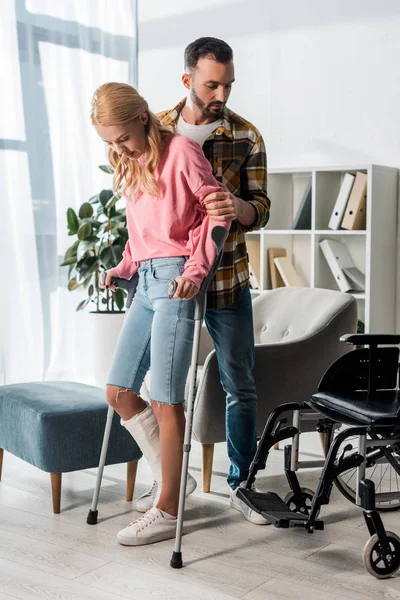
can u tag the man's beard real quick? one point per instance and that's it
(206, 112)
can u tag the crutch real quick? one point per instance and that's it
(130, 286)
(219, 235)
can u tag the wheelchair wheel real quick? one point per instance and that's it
(376, 562)
(383, 470)
(300, 504)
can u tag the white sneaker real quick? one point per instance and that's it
(249, 514)
(152, 527)
(148, 499)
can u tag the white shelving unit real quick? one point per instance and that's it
(373, 250)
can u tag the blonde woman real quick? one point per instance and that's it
(164, 178)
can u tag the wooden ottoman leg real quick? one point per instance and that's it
(131, 468)
(208, 455)
(55, 479)
(1, 461)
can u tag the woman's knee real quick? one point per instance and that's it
(168, 412)
(117, 395)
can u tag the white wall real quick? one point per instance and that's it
(319, 79)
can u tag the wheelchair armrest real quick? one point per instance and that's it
(366, 339)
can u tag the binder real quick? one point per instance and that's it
(341, 201)
(355, 213)
(276, 279)
(253, 281)
(303, 216)
(338, 258)
(287, 272)
(253, 255)
(356, 277)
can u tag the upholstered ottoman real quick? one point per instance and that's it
(58, 427)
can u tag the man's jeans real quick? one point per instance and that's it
(231, 329)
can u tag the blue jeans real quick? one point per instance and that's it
(157, 331)
(231, 329)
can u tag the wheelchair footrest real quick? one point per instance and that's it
(273, 508)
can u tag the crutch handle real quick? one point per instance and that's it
(172, 287)
(129, 285)
(219, 235)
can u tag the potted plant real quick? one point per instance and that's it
(99, 235)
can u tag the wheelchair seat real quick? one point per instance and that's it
(359, 407)
(361, 387)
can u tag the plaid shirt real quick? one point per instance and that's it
(237, 155)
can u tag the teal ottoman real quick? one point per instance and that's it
(58, 427)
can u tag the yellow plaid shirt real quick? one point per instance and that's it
(237, 155)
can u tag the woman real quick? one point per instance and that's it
(164, 178)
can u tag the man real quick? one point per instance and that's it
(237, 154)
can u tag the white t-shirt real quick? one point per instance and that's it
(198, 133)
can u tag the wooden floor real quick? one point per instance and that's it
(60, 557)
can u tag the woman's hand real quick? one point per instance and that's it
(110, 274)
(186, 289)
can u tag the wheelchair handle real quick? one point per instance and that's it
(367, 339)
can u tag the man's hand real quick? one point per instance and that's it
(222, 206)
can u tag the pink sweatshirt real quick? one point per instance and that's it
(175, 223)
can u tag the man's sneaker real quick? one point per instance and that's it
(249, 514)
(148, 499)
(152, 527)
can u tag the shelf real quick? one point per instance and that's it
(340, 231)
(309, 231)
(286, 231)
(373, 250)
(357, 295)
(328, 169)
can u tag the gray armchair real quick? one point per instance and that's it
(296, 333)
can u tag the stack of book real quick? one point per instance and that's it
(282, 271)
(349, 211)
(253, 256)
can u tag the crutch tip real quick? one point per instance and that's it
(176, 560)
(92, 517)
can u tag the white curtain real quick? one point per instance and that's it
(57, 54)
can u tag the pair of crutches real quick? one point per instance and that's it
(219, 235)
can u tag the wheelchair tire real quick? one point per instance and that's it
(378, 565)
(300, 505)
(345, 483)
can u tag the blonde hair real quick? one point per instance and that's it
(117, 104)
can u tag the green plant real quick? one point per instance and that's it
(100, 235)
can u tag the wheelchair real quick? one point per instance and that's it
(358, 411)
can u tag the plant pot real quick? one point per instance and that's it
(104, 328)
